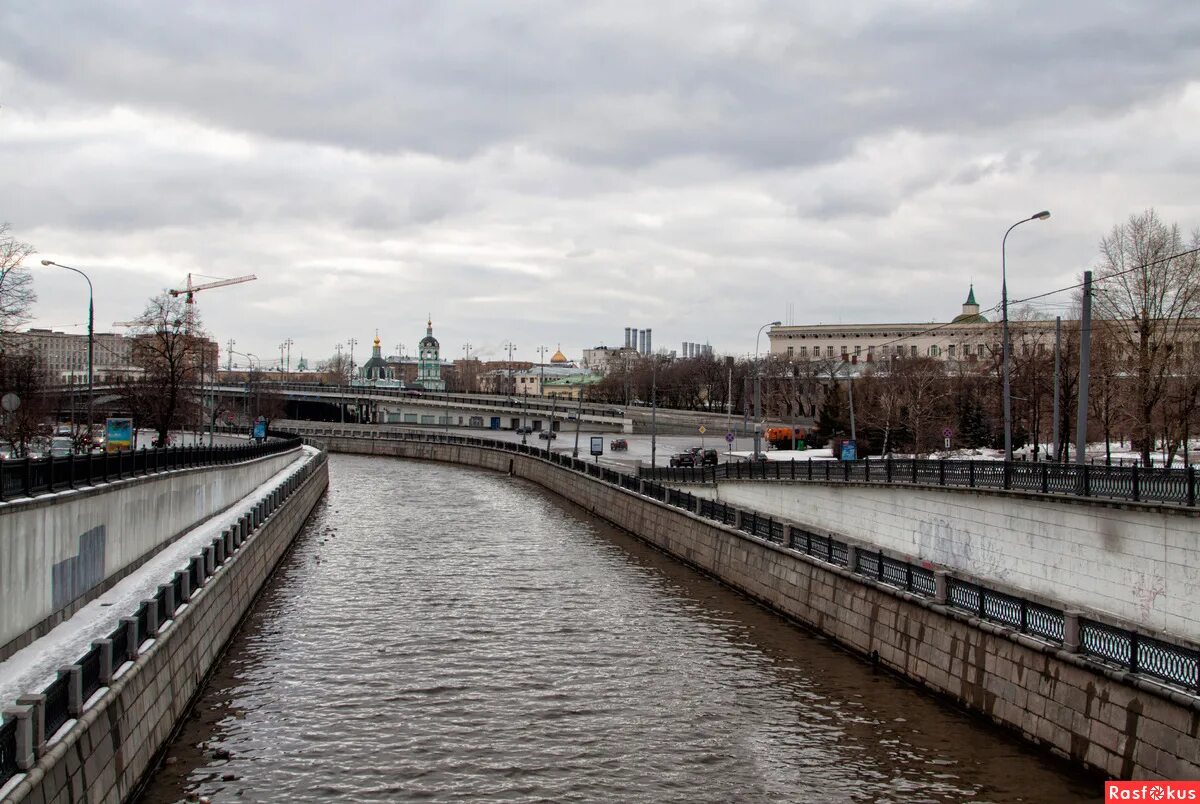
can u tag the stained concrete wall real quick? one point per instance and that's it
(1098, 717)
(58, 551)
(1137, 564)
(102, 757)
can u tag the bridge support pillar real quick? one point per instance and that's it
(852, 558)
(23, 715)
(168, 593)
(106, 660)
(36, 704)
(185, 586)
(1071, 630)
(74, 675)
(151, 617)
(941, 586)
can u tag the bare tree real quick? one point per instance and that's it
(923, 391)
(22, 375)
(1145, 279)
(168, 347)
(16, 284)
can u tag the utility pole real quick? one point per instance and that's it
(282, 347)
(1057, 390)
(352, 343)
(578, 419)
(229, 362)
(512, 384)
(653, 413)
(289, 343)
(757, 409)
(525, 418)
(1085, 357)
(468, 384)
(542, 367)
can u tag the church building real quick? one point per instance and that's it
(429, 365)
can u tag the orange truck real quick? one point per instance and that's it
(785, 437)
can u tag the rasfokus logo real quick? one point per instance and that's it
(1151, 791)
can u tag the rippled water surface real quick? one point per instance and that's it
(446, 634)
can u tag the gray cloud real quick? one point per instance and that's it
(555, 172)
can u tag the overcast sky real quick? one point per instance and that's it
(552, 172)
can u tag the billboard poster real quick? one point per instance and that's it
(597, 445)
(118, 434)
(849, 450)
(260, 429)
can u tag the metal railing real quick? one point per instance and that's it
(1133, 483)
(96, 668)
(27, 477)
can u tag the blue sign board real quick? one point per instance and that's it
(260, 430)
(849, 451)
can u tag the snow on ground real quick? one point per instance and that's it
(30, 669)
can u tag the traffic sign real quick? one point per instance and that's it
(729, 437)
(947, 433)
(703, 430)
(10, 401)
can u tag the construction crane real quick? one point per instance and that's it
(191, 289)
(190, 292)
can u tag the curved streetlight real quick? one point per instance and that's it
(758, 390)
(1005, 347)
(91, 338)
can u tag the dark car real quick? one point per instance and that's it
(523, 430)
(548, 435)
(618, 445)
(685, 459)
(709, 457)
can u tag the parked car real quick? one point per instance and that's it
(709, 457)
(61, 446)
(548, 435)
(523, 430)
(618, 445)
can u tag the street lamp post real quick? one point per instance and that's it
(91, 340)
(758, 389)
(1006, 348)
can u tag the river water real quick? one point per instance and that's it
(448, 634)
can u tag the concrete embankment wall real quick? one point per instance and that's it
(1136, 563)
(59, 551)
(1052, 697)
(109, 748)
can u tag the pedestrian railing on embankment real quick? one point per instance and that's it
(1119, 647)
(1133, 483)
(64, 698)
(26, 477)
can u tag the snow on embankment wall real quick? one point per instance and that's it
(1134, 563)
(58, 551)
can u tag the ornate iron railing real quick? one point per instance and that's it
(1134, 483)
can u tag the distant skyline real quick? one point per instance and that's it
(549, 173)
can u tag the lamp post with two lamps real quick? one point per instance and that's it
(1006, 348)
(91, 339)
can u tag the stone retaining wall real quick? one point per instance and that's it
(59, 551)
(102, 757)
(1098, 717)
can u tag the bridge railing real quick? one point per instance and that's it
(27, 477)
(1108, 643)
(505, 403)
(64, 698)
(1134, 483)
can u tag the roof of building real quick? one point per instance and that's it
(429, 340)
(559, 357)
